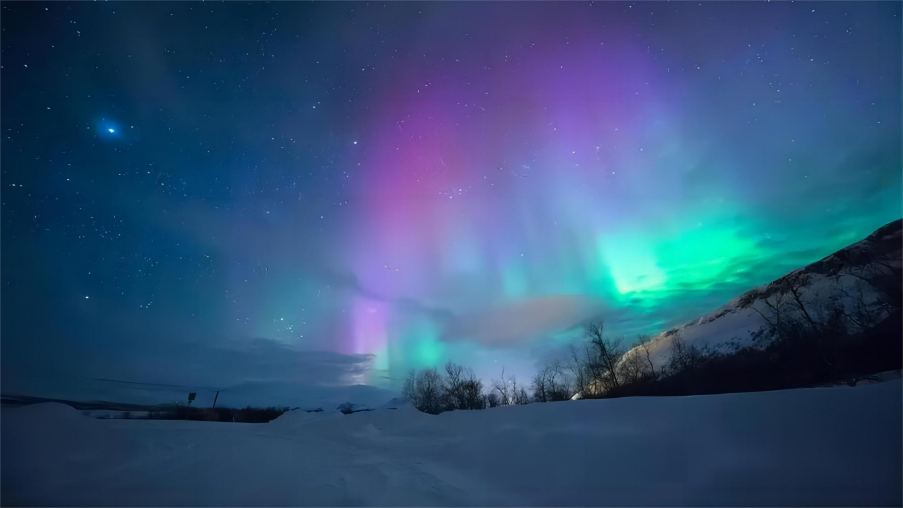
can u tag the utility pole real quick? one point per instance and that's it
(214, 400)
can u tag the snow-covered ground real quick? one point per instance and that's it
(820, 446)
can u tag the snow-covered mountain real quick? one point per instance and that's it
(854, 280)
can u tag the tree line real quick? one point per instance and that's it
(811, 345)
(592, 369)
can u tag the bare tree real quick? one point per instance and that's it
(580, 371)
(504, 391)
(424, 389)
(510, 393)
(632, 368)
(551, 383)
(409, 389)
(645, 344)
(604, 355)
(540, 385)
(796, 284)
(774, 300)
(454, 386)
(885, 277)
(684, 357)
(862, 315)
(559, 383)
(468, 390)
(884, 273)
(472, 393)
(518, 393)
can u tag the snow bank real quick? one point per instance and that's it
(817, 447)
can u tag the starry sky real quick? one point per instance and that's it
(334, 193)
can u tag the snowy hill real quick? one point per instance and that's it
(835, 446)
(844, 280)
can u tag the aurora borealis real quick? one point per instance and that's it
(400, 184)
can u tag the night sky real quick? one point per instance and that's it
(214, 193)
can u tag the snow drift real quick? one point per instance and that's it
(835, 446)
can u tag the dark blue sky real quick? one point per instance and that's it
(333, 193)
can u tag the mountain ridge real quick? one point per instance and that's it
(853, 280)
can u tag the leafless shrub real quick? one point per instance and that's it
(551, 383)
(684, 357)
(424, 389)
(462, 388)
(509, 392)
(645, 344)
(603, 356)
